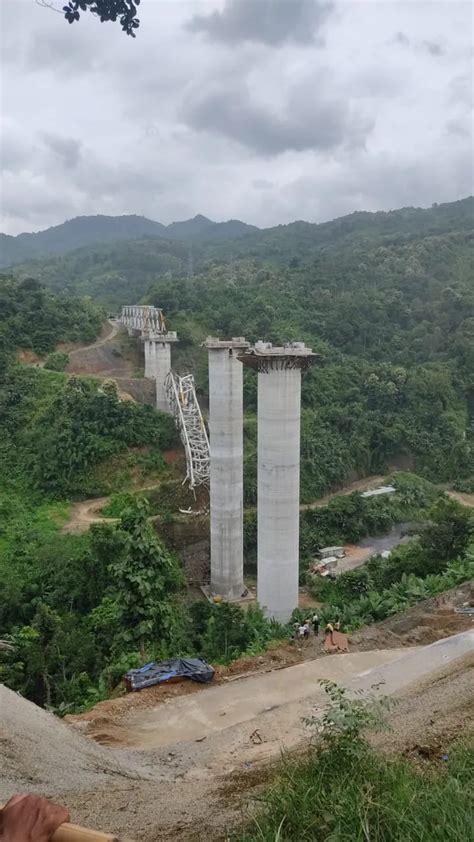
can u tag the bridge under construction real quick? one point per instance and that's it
(219, 462)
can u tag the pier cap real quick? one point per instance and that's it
(213, 343)
(263, 356)
(154, 336)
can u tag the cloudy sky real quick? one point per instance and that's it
(263, 110)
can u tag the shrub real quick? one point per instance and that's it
(57, 361)
(343, 790)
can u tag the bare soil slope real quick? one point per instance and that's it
(198, 788)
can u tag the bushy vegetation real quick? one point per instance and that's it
(387, 299)
(56, 361)
(33, 318)
(348, 518)
(57, 429)
(438, 559)
(342, 789)
(81, 610)
(355, 611)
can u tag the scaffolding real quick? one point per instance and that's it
(183, 404)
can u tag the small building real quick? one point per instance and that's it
(327, 552)
(376, 492)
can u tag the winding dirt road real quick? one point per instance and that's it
(113, 329)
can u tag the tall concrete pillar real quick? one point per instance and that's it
(226, 469)
(158, 363)
(279, 411)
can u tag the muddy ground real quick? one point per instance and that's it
(425, 623)
(201, 787)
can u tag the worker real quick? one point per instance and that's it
(329, 628)
(302, 631)
(337, 626)
(30, 818)
(315, 624)
(296, 627)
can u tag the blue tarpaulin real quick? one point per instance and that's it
(157, 673)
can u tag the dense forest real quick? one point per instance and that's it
(394, 322)
(386, 299)
(91, 230)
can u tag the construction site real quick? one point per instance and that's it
(185, 760)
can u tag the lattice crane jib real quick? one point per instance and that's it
(183, 403)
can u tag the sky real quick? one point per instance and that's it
(262, 110)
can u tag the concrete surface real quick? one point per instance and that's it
(277, 701)
(227, 705)
(279, 410)
(226, 467)
(157, 366)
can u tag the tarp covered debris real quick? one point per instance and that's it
(157, 673)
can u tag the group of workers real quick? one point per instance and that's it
(303, 630)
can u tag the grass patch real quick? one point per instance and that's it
(344, 791)
(367, 798)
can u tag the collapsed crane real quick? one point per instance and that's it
(174, 392)
(184, 406)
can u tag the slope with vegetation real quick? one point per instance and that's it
(344, 789)
(91, 230)
(388, 300)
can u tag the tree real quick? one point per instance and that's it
(145, 578)
(107, 10)
(447, 537)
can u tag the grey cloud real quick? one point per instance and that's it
(379, 182)
(306, 122)
(401, 38)
(461, 91)
(457, 128)
(271, 22)
(55, 177)
(13, 153)
(67, 149)
(56, 51)
(433, 48)
(378, 82)
(262, 184)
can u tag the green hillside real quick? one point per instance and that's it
(387, 298)
(393, 316)
(92, 230)
(79, 610)
(114, 272)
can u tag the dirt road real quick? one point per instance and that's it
(83, 514)
(215, 709)
(191, 780)
(111, 330)
(462, 497)
(365, 484)
(86, 512)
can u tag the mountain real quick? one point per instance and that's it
(92, 230)
(116, 273)
(202, 228)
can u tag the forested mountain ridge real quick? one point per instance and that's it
(113, 273)
(92, 230)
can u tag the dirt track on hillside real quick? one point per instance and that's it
(425, 623)
(199, 785)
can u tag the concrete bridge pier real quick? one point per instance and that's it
(278, 421)
(158, 363)
(226, 465)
